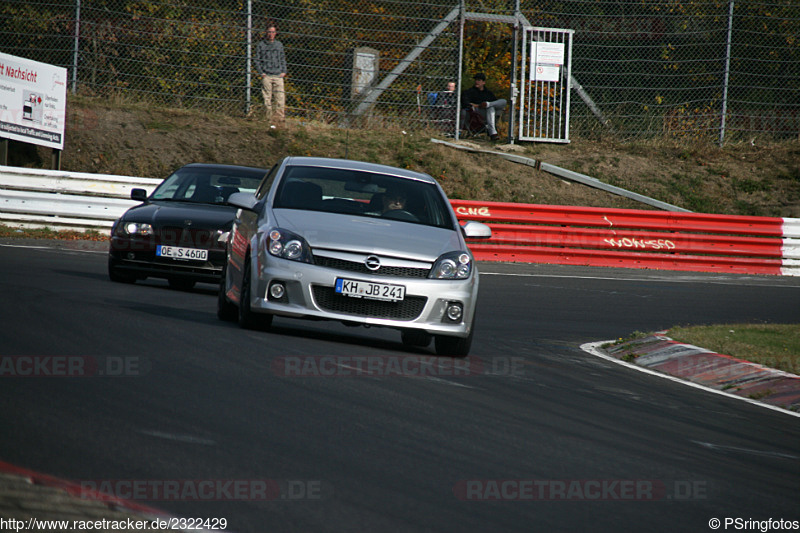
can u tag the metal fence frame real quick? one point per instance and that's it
(721, 71)
(544, 105)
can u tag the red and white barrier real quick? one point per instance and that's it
(529, 233)
(635, 238)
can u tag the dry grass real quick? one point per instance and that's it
(120, 137)
(772, 345)
(50, 234)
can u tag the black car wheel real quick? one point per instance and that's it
(116, 276)
(181, 284)
(247, 318)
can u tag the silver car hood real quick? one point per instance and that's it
(369, 235)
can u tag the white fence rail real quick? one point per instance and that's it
(34, 198)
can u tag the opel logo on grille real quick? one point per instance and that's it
(372, 262)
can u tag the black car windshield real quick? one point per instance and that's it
(362, 193)
(208, 185)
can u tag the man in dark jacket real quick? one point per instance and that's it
(271, 65)
(483, 101)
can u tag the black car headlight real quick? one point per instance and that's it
(142, 229)
(287, 245)
(452, 265)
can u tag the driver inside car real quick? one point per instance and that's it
(394, 200)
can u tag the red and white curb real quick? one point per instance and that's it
(696, 367)
(82, 493)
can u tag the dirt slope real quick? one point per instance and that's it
(754, 177)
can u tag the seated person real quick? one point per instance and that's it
(394, 200)
(444, 111)
(392, 204)
(483, 101)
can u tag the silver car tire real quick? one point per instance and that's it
(415, 337)
(226, 310)
(455, 346)
(247, 318)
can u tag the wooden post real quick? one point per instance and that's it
(56, 159)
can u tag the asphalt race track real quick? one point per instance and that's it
(539, 436)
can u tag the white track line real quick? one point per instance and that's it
(592, 348)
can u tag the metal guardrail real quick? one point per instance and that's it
(635, 238)
(520, 232)
(65, 200)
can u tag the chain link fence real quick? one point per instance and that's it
(697, 68)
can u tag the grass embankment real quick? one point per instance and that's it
(772, 345)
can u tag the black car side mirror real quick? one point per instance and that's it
(140, 195)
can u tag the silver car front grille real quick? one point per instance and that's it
(361, 268)
(407, 309)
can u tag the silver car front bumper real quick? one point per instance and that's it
(309, 293)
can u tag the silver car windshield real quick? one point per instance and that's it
(207, 185)
(368, 194)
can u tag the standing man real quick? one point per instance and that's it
(483, 101)
(271, 65)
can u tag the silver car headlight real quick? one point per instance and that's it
(287, 245)
(452, 265)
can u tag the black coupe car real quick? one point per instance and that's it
(179, 232)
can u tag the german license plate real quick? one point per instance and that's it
(176, 252)
(369, 290)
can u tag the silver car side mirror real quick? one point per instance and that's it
(476, 230)
(244, 200)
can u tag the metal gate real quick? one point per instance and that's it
(545, 84)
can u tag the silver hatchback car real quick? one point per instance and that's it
(361, 243)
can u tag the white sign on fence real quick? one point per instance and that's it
(545, 89)
(546, 59)
(33, 101)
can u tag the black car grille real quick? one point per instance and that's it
(361, 268)
(187, 237)
(407, 309)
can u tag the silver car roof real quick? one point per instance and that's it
(350, 164)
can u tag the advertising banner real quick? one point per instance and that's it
(33, 101)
